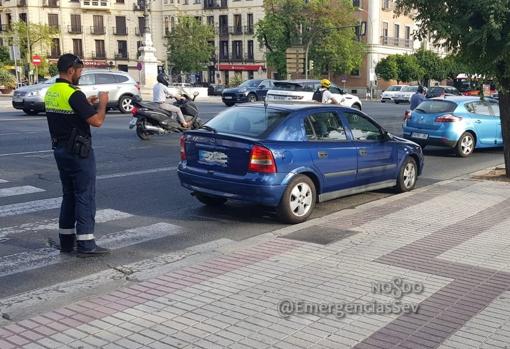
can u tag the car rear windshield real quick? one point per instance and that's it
(250, 83)
(409, 89)
(294, 86)
(394, 88)
(247, 121)
(434, 107)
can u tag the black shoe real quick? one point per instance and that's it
(97, 251)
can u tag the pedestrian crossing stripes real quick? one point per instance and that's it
(3, 181)
(13, 191)
(42, 257)
(102, 216)
(29, 207)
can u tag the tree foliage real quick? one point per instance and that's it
(4, 55)
(433, 67)
(403, 68)
(477, 31)
(387, 68)
(326, 26)
(188, 45)
(38, 41)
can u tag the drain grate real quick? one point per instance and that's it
(320, 235)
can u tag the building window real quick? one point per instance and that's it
(198, 19)
(250, 29)
(53, 20)
(123, 67)
(77, 47)
(120, 25)
(238, 24)
(98, 24)
(100, 49)
(210, 21)
(250, 50)
(122, 49)
(55, 48)
(357, 3)
(408, 36)
(172, 23)
(75, 23)
(355, 72)
(23, 17)
(396, 32)
(386, 5)
(384, 37)
(224, 50)
(167, 26)
(237, 50)
(119, 1)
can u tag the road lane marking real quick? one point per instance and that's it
(42, 257)
(28, 207)
(134, 173)
(24, 119)
(3, 181)
(21, 190)
(27, 152)
(102, 216)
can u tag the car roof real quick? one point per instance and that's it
(90, 71)
(292, 107)
(456, 99)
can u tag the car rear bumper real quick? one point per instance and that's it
(263, 194)
(434, 137)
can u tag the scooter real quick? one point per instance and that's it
(149, 119)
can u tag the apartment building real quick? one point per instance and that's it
(105, 33)
(236, 50)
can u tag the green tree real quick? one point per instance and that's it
(325, 28)
(4, 55)
(52, 70)
(38, 39)
(188, 45)
(453, 66)
(432, 66)
(408, 68)
(477, 31)
(387, 68)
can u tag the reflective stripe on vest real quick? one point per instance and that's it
(57, 98)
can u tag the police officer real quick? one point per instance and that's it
(70, 115)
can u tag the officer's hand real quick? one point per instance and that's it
(103, 97)
(92, 100)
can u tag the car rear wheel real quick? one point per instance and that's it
(210, 200)
(126, 104)
(30, 111)
(406, 180)
(298, 200)
(465, 145)
(252, 98)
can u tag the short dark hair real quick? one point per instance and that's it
(420, 89)
(67, 61)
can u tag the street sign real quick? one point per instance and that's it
(486, 90)
(14, 53)
(139, 66)
(36, 60)
(295, 57)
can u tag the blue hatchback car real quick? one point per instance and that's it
(461, 123)
(291, 156)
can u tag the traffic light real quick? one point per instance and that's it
(310, 66)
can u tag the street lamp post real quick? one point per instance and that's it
(147, 51)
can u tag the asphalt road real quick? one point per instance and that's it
(138, 195)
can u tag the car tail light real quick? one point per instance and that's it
(261, 160)
(407, 115)
(448, 118)
(134, 111)
(183, 147)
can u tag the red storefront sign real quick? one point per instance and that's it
(241, 67)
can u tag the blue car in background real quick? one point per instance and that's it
(248, 91)
(291, 156)
(461, 123)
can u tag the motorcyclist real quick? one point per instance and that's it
(160, 93)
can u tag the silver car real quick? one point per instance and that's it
(120, 85)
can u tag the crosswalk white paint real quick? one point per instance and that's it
(102, 216)
(134, 173)
(3, 181)
(24, 189)
(42, 257)
(28, 207)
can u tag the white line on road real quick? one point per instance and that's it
(13, 191)
(3, 181)
(28, 207)
(27, 152)
(102, 216)
(42, 257)
(24, 119)
(133, 173)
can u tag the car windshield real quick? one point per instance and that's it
(409, 89)
(247, 121)
(250, 83)
(394, 88)
(434, 107)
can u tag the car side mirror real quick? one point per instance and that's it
(385, 136)
(195, 93)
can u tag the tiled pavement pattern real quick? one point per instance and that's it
(450, 236)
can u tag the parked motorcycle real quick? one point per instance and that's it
(149, 119)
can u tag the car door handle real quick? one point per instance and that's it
(362, 152)
(322, 154)
(478, 122)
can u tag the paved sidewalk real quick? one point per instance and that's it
(446, 247)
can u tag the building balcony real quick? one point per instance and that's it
(99, 55)
(398, 42)
(122, 56)
(96, 5)
(388, 5)
(215, 4)
(233, 58)
(120, 31)
(236, 58)
(223, 31)
(97, 30)
(249, 29)
(21, 3)
(55, 54)
(249, 58)
(236, 30)
(139, 31)
(51, 3)
(74, 29)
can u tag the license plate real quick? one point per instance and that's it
(282, 98)
(213, 157)
(17, 100)
(227, 97)
(132, 123)
(420, 135)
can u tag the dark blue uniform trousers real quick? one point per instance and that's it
(78, 209)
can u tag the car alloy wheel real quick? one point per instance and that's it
(409, 175)
(126, 104)
(467, 144)
(252, 98)
(300, 200)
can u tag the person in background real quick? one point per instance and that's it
(417, 98)
(160, 93)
